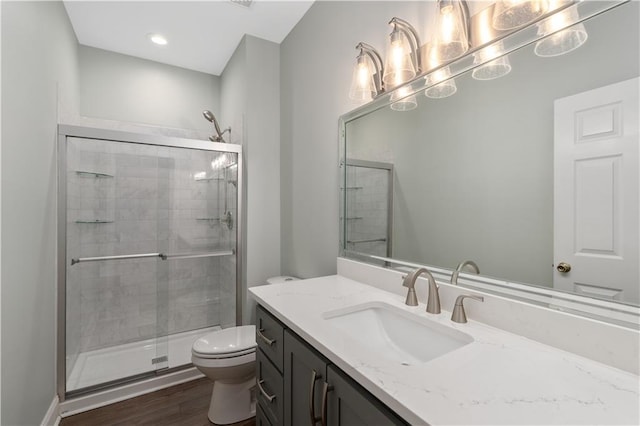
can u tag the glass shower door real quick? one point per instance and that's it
(198, 241)
(114, 289)
(150, 242)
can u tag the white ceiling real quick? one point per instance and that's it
(202, 35)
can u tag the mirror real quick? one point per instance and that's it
(482, 175)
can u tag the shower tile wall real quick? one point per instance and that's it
(367, 198)
(153, 199)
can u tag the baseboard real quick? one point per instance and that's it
(52, 417)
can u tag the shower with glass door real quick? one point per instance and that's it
(148, 253)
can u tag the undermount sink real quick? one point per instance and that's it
(396, 334)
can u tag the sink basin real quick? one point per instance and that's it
(395, 334)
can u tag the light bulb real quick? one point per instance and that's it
(398, 67)
(451, 30)
(362, 85)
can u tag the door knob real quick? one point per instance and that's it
(563, 267)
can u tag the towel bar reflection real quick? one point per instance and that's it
(160, 255)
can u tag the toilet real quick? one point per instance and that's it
(227, 357)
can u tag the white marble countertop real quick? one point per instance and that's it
(499, 378)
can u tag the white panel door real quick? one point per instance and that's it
(596, 192)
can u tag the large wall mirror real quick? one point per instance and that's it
(533, 176)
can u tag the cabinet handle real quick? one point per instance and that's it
(312, 414)
(265, 338)
(270, 398)
(326, 388)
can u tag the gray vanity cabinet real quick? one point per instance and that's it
(293, 394)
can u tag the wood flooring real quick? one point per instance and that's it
(182, 405)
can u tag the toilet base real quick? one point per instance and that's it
(232, 402)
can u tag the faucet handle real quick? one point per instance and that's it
(459, 314)
(412, 298)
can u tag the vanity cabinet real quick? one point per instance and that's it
(314, 391)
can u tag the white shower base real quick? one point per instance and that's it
(118, 362)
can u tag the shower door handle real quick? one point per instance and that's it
(197, 255)
(122, 257)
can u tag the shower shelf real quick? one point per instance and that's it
(208, 219)
(207, 179)
(353, 218)
(93, 174)
(94, 221)
(350, 188)
(373, 240)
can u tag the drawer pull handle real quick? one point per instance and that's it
(312, 412)
(265, 338)
(264, 393)
(326, 388)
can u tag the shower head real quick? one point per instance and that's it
(212, 118)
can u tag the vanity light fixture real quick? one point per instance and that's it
(452, 29)
(402, 62)
(158, 39)
(366, 82)
(510, 14)
(440, 81)
(402, 101)
(560, 39)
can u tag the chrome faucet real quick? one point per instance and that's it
(470, 263)
(433, 301)
(458, 314)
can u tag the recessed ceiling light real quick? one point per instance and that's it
(158, 39)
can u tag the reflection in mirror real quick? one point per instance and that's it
(520, 173)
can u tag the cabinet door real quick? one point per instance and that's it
(304, 373)
(348, 404)
(269, 383)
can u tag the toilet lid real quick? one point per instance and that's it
(232, 341)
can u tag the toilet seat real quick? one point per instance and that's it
(227, 343)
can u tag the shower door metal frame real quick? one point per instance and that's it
(67, 131)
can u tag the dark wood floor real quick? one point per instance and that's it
(183, 405)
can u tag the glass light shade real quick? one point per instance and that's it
(401, 102)
(443, 84)
(491, 68)
(398, 66)
(510, 14)
(362, 86)
(560, 41)
(451, 39)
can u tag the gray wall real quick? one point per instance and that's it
(39, 62)
(250, 98)
(317, 60)
(124, 88)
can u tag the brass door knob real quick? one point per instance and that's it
(563, 267)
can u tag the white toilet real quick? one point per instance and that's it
(227, 357)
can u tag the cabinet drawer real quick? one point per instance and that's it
(270, 389)
(270, 336)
